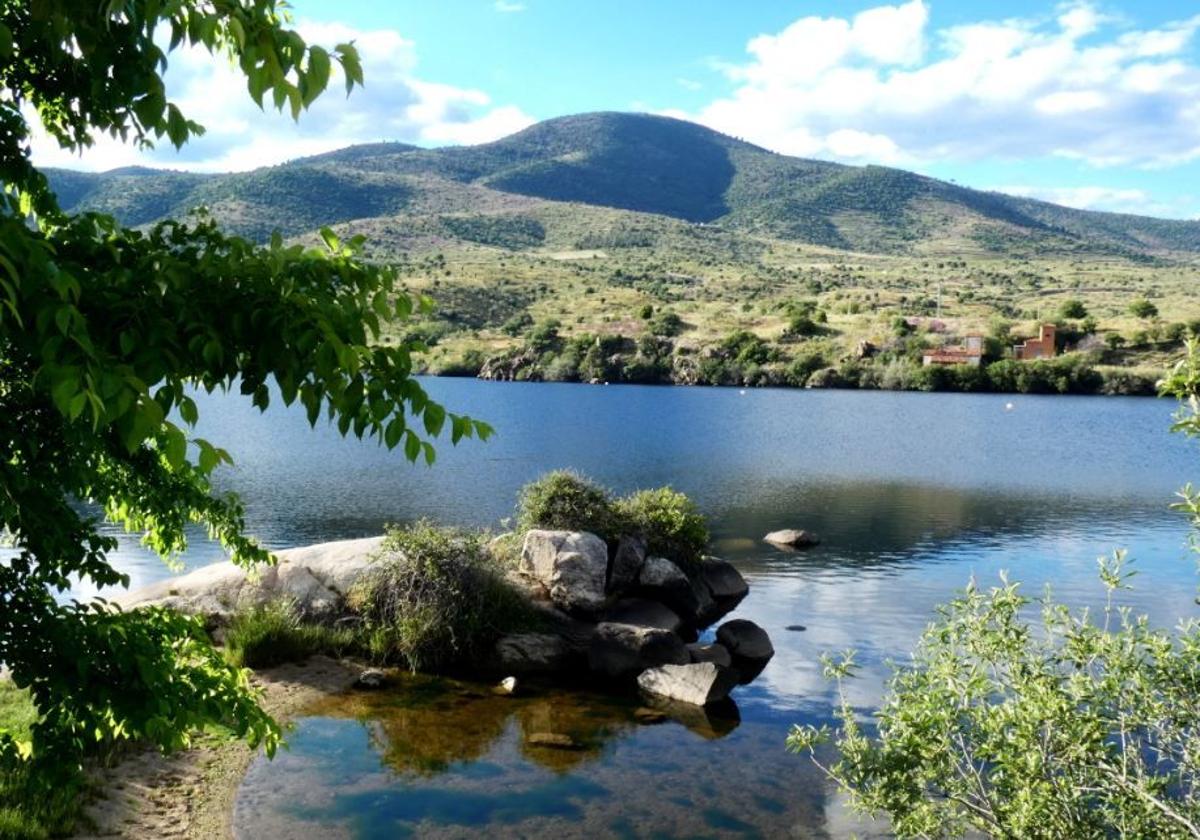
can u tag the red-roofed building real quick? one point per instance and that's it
(970, 352)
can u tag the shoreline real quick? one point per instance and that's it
(191, 794)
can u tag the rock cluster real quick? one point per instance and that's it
(624, 615)
(612, 611)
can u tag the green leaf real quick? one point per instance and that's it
(330, 239)
(412, 446)
(318, 73)
(435, 418)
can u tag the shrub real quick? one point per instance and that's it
(669, 521)
(666, 324)
(1143, 308)
(434, 597)
(1072, 308)
(274, 633)
(564, 500)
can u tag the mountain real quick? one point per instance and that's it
(630, 162)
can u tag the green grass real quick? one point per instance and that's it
(30, 810)
(275, 633)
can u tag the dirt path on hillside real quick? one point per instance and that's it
(191, 794)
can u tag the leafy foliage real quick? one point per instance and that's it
(1063, 727)
(669, 521)
(104, 331)
(564, 500)
(435, 597)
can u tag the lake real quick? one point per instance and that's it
(913, 495)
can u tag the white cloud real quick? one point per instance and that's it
(394, 104)
(1113, 199)
(885, 87)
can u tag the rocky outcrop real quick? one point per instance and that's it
(625, 650)
(748, 645)
(698, 683)
(792, 538)
(611, 611)
(572, 565)
(316, 578)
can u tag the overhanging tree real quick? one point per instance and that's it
(104, 330)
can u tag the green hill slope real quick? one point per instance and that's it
(632, 162)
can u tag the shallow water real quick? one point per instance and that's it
(913, 495)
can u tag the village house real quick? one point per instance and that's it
(1041, 347)
(970, 352)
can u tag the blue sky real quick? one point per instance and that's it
(1095, 104)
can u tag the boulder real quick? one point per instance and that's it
(792, 538)
(714, 653)
(642, 612)
(748, 644)
(571, 565)
(315, 577)
(661, 580)
(723, 580)
(531, 653)
(698, 683)
(625, 650)
(627, 564)
(506, 686)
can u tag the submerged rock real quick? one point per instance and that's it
(571, 565)
(748, 644)
(623, 650)
(698, 683)
(370, 679)
(792, 538)
(553, 740)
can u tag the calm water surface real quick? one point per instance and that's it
(913, 494)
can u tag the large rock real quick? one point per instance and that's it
(532, 653)
(627, 564)
(698, 683)
(719, 588)
(661, 580)
(748, 644)
(642, 612)
(316, 577)
(572, 565)
(625, 650)
(792, 538)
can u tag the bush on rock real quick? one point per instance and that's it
(435, 596)
(564, 500)
(669, 521)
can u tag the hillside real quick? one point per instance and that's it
(648, 164)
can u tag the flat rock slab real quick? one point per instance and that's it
(642, 612)
(792, 538)
(714, 653)
(316, 576)
(698, 683)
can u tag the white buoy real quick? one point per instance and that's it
(1009, 406)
